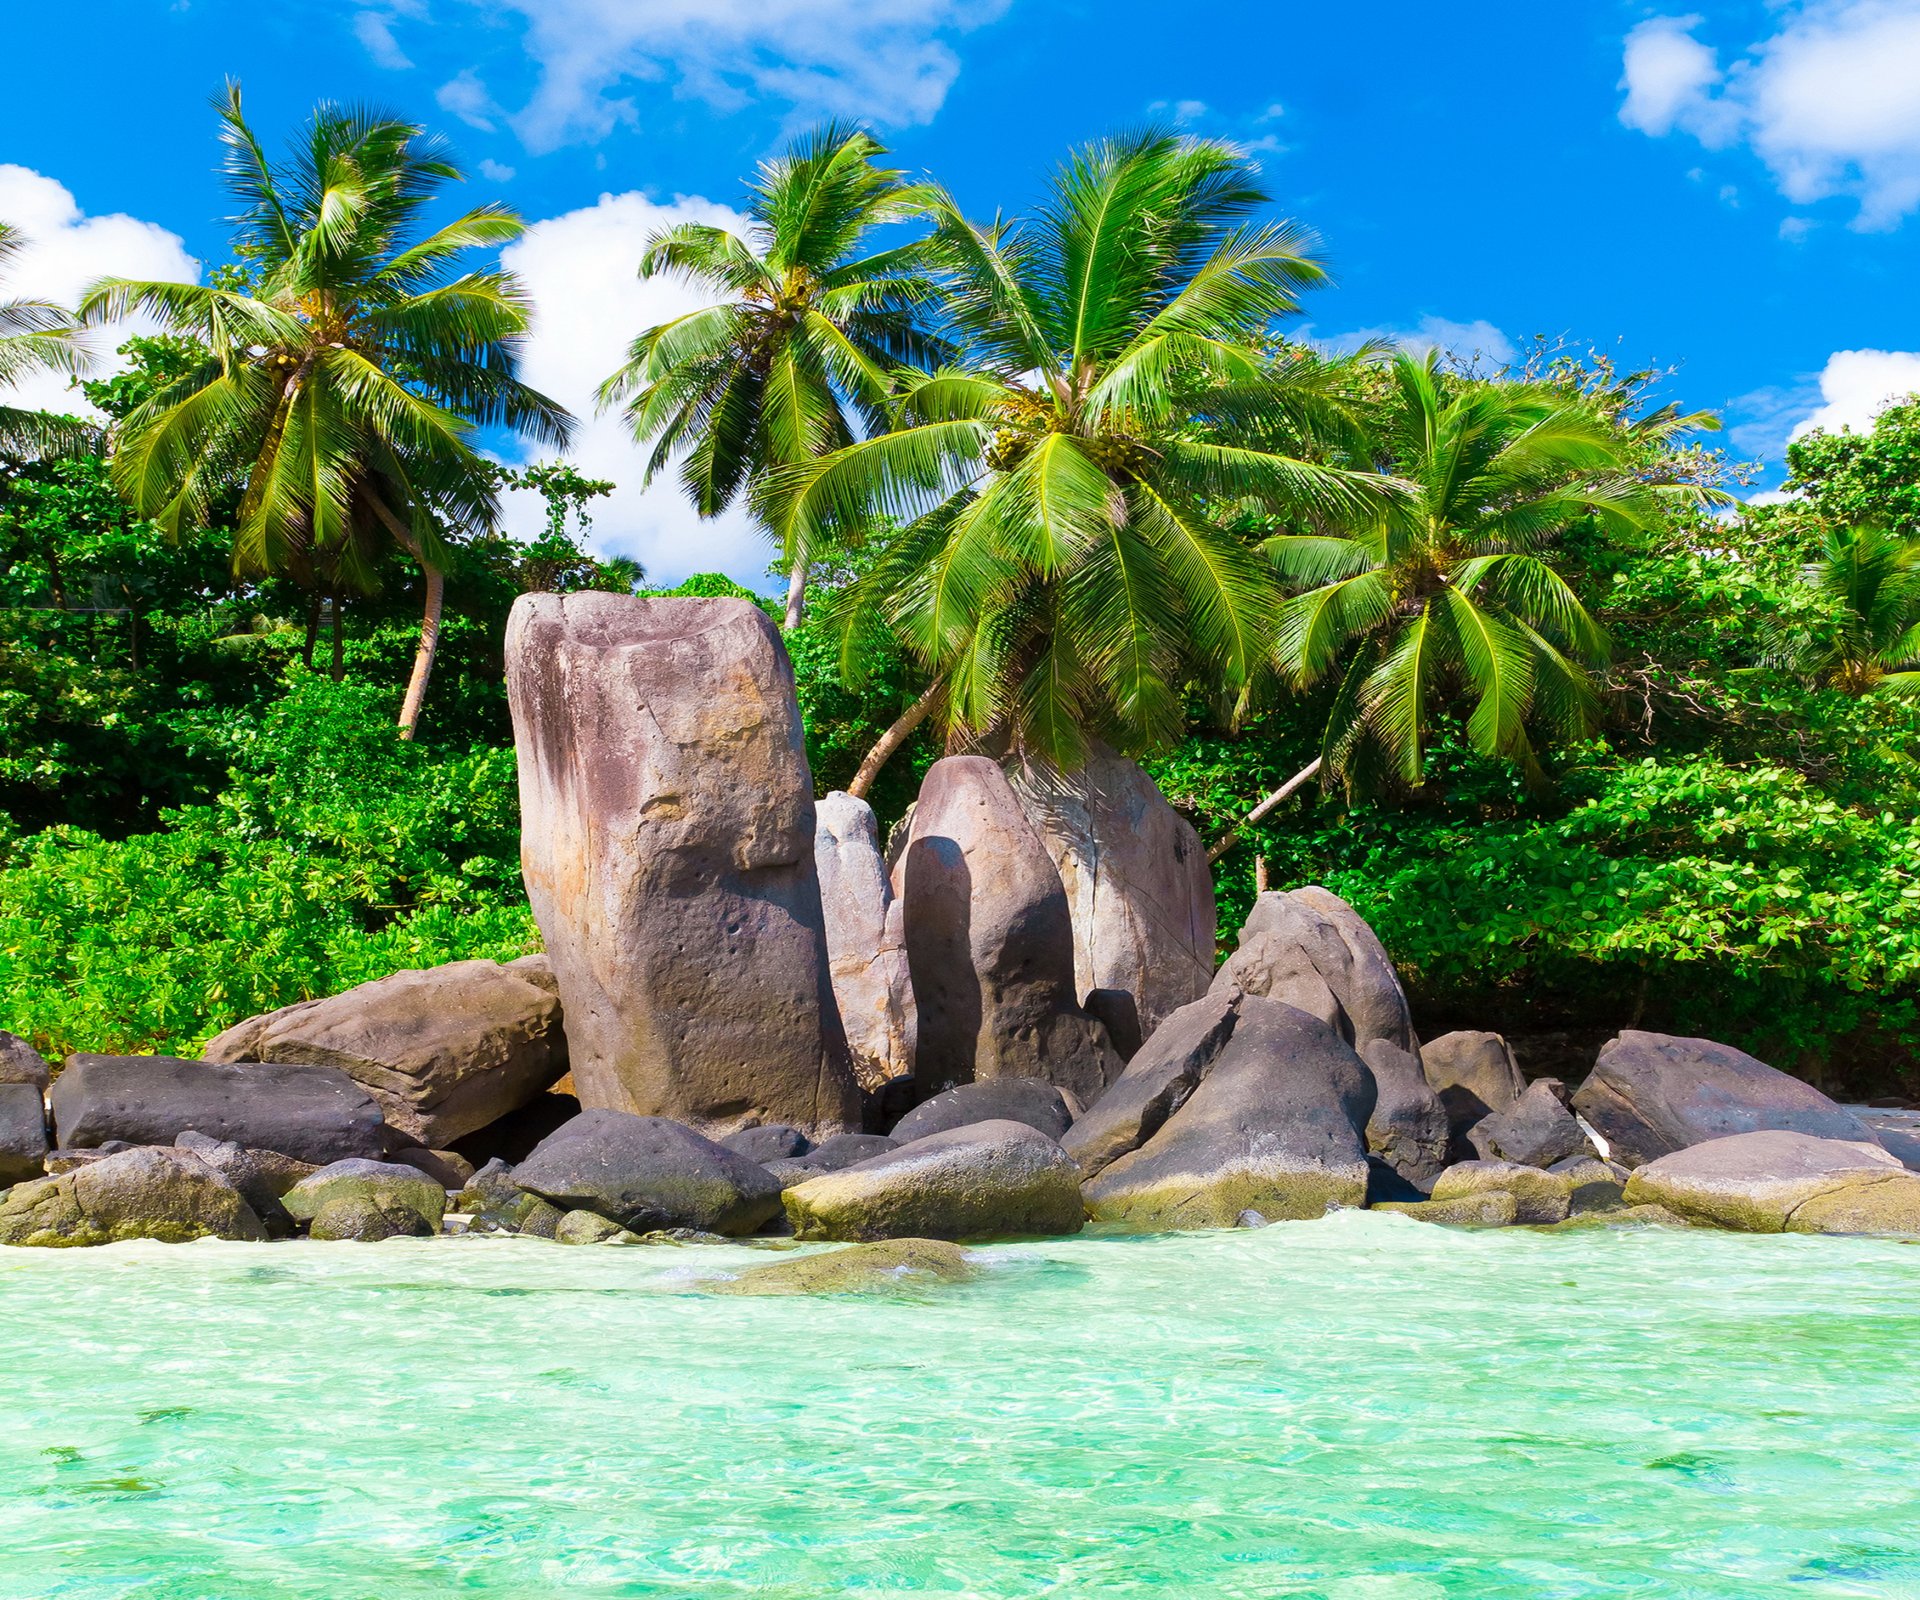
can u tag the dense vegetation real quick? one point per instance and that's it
(1594, 745)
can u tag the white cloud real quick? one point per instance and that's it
(589, 304)
(494, 171)
(1463, 339)
(1857, 385)
(884, 61)
(467, 98)
(1830, 101)
(374, 30)
(66, 250)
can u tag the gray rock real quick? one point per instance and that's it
(23, 1133)
(1778, 1180)
(1275, 1126)
(1897, 1131)
(772, 1142)
(648, 1173)
(1651, 1094)
(588, 1227)
(1539, 1196)
(1309, 949)
(499, 1205)
(1537, 1130)
(888, 1266)
(59, 1161)
(21, 1063)
(1038, 1104)
(445, 1051)
(832, 1155)
(1475, 1076)
(1138, 888)
(386, 1186)
(1409, 1129)
(262, 1176)
(668, 850)
(986, 1180)
(144, 1193)
(367, 1219)
(990, 942)
(1157, 1081)
(1483, 1208)
(311, 1113)
(866, 942)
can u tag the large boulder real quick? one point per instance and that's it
(986, 1180)
(668, 847)
(866, 941)
(23, 1133)
(990, 942)
(1309, 949)
(1778, 1180)
(647, 1173)
(383, 1187)
(1275, 1126)
(145, 1193)
(843, 1150)
(1475, 1076)
(311, 1113)
(445, 1051)
(1651, 1094)
(774, 1141)
(21, 1063)
(1409, 1129)
(1537, 1130)
(1030, 1100)
(1138, 889)
(1539, 1196)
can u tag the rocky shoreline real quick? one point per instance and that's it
(754, 1020)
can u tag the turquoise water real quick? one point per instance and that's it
(1365, 1408)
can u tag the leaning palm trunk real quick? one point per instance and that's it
(894, 738)
(1260, 812)
(429, 646)
(797, 593)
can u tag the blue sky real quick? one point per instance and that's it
(1733, 190)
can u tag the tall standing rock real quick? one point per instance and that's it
(990, 942)
(1137, 886)
(668, 847)
(866, 941)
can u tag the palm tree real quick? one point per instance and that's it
(36, 336)
(343, 388)
(796, 356)
(1451, 593)
(1069, 560)
(1869, 580)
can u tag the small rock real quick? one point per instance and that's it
(448, 1168)
(889, 1265)
(1250, 1219)
(1536, 1130)
(1409, 1129)
(777, 1141)
(367, 1219)
(386, 1187)
(261, 1176)
(1624, 1217)
(1539, 1196)
(1033, 1101)
(21, 1063)
(499, 1205)
(586, 1227)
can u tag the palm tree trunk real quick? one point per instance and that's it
(339, 634)
(1260, 811)
(429, 620)
(797, 595)
(313, 629)
(894, 737)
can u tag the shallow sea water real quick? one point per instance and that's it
(1364, 1408)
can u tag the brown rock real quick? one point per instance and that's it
(144, 1193)
(21, 1063)
(1777, 1181)
(990, 942)
(866, 942)
(1474, 1074)
(1539, 1196)
(1409, 1129)
(1138, 889)
(445, 1051)
(668, 848)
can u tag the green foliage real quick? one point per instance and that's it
(1871, 477)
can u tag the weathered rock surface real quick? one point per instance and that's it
(1038, 1104)
(366, 1219)
(1651, 1094)
(647, 1173)
(445, 1051)
(774, 1141)
(1897, 1131)
(1778, 1181)
(830, 1155)
(1274, 1126)
(866, 941)
(1537, 1130)
(448, 1168)
(1409, 1129)
(668, 849)
(1475, 1076)
(499, 1205)
(1309, 949)
(262, 1176)
(21, 1063)
(1157, 1081)
(1138, 889)
(1484, 1208)
(589, 1227)
(1539, 1196)
(887, 1266)
(384, 1186)
(986, 1180)
(990, 942)
(144, 1193)
(311, 1113)
(23, 1133)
